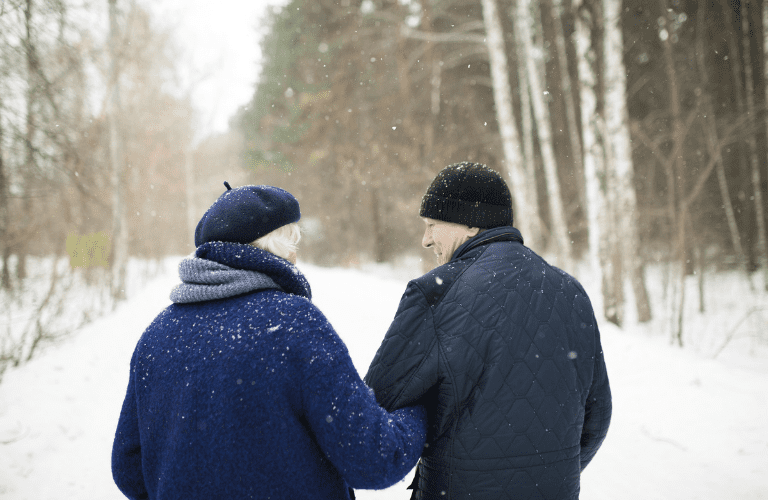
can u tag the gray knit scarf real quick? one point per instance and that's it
(204, 279)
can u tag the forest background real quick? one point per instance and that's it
(634, 137)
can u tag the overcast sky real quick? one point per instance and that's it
(220, 52)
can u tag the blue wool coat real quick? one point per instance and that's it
(253, 396)
(504, 351)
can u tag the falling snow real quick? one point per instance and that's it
(685, 426)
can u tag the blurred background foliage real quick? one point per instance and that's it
(359, 103)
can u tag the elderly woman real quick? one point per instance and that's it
(242, 389)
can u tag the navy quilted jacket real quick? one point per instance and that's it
(504, 351)
(254, 396)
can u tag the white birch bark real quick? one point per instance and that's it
(526, 138)
(502, 95)
(560, 238)
(617, 135)
(594, 154)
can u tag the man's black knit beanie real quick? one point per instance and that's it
(470, 194)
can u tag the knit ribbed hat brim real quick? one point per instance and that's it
(472, 214)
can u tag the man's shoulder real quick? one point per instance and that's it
(437, 282)
(506, 266)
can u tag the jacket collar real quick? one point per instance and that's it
(503, 233)
(242, 256)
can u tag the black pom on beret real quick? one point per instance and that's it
(247, 213)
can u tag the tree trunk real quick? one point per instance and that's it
(738, 89)
(526, 137)
(189, 181)
(604, 254)
(560, 236)
(762, 246)
(5, 275)
(29, 137)
(502, 95)
(617, 128)
(435, 84)
(675, 176)
(380, 250)
(119, 212)
(713, 142)
(765, 81)
(570, 106)
(594, 153)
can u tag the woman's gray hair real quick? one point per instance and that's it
(282, 242)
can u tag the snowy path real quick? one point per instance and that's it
(683, 428)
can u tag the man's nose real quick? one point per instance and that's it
(426, 241)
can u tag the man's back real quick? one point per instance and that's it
(504, 350)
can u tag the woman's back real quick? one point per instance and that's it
(254, 396)
(219, 396)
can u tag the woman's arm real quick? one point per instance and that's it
(370, 447)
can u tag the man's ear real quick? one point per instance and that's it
(474, 231)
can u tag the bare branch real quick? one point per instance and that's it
(441, 37)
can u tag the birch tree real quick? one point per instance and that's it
(560, 239)
(594, 158)
(526, 138)
(510, 139)
(620, 156)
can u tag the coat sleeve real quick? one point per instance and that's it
(406, 364)
(370, 447)
(126, 449)
(597, 414)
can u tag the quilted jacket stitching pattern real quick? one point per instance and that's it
(555, 307)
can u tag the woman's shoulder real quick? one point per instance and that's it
(298, 311)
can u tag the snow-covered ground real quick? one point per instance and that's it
(685, 426)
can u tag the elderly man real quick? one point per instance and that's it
(502, 348)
